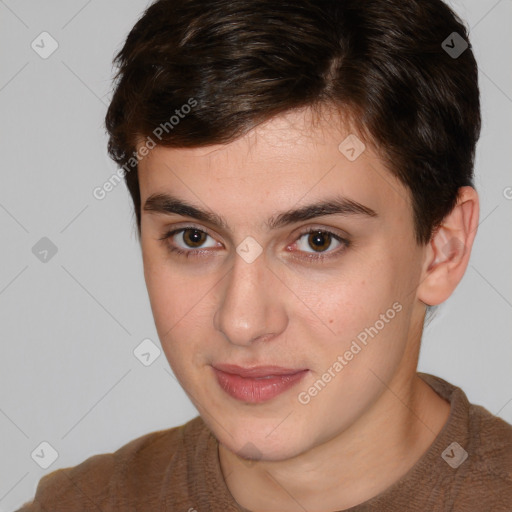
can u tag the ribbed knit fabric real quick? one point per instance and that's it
(178, 470)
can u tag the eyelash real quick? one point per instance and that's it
(311, 257)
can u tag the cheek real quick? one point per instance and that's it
(343, 304)
(361, 314)
(181, 308)
(167, 289)
(167, 293)
(175, 301)
(366, 346)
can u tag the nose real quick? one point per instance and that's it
(250, 307)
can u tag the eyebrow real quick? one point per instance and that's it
(337, 205)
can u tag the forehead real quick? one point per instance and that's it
(293, 158)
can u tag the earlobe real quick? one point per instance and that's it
(447, 254)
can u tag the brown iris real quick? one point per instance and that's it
(194, 237)
(319, 240)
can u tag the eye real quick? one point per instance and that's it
(187, 240)
(192, 238)
(320, 241)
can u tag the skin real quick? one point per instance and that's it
(371, 423)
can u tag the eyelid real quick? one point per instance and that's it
(325, 229)
(297, 233)
(167, 232)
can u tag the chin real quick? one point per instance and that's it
(259, 447)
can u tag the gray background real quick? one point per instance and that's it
(68, 375)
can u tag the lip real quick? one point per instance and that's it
(257, 371)
(257, 384)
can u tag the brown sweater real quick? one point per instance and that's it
(178, 470)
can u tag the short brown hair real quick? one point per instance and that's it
(245, 61)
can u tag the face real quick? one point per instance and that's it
(262, 278)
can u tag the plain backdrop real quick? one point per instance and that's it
(69, 325)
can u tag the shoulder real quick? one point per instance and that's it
(486, 475)
(99, 482)
(491, 444)
(477, 450)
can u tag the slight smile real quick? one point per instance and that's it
(257, 384)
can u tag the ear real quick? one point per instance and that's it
(447, 254)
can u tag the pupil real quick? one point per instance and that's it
(320, 240)
(194, 237)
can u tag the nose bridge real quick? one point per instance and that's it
(249, 307)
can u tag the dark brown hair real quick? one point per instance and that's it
(241, 62)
